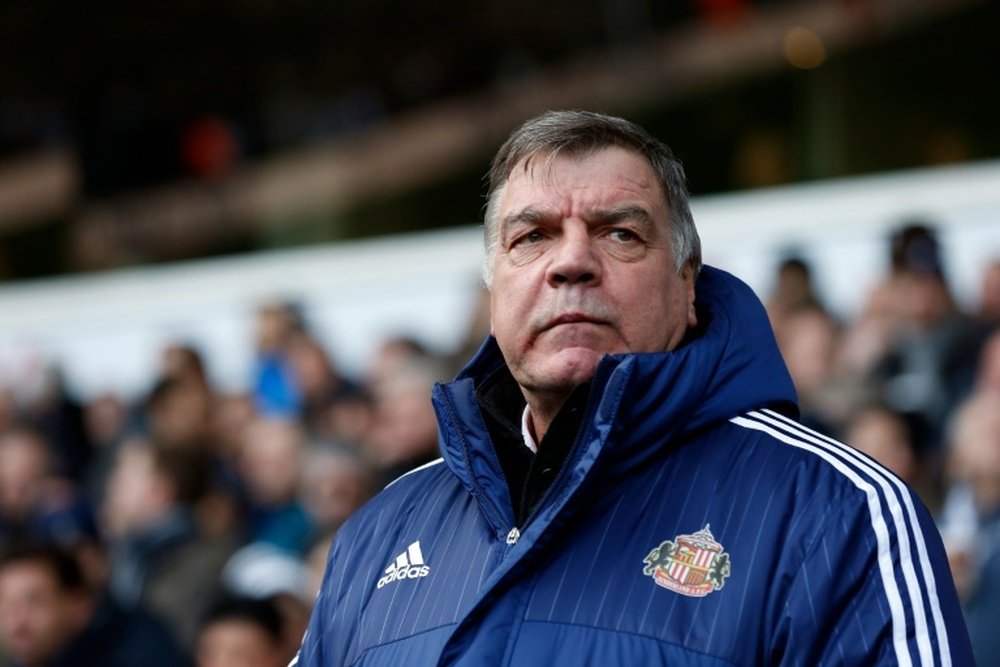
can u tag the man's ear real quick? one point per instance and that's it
(689, 280)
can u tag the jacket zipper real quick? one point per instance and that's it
(456, 425)
(515, 533)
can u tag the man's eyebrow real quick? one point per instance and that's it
(620, 213)
(527, 216)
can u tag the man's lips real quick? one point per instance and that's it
(573, 318)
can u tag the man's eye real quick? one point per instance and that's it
(623, 235)
(530, 237)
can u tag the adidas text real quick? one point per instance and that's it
(408, 565)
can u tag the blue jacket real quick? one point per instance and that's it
(693, 524)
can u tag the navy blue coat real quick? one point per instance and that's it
(693, 524)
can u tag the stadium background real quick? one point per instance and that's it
(200, 175)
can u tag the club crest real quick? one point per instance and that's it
(693, 565)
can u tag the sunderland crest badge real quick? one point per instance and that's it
(693, 565)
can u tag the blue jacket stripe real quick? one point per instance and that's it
(878, 525)
(895, 510)
(422, 530)
(417, 469)
(880, 474)
(593, 563)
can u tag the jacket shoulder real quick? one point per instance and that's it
(890, 562)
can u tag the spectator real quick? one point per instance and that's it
(971, 522)
(349, 419)
(405, 431)
(183, 362)
(808, 342)
(335, 482)
(885, 436)
(8, 409)
(25, 473)
(867, 339)
(179, 413)
(107, 420)
(32, 496)
(932, 357)
(159, 558)
(989, 296)
(49, 618)
(241, 632)
(988, 376)
(269, 465)
(793, 291)
(393, 355)
(50, 408)
(317, 381)
(264, 572)
(275, 388)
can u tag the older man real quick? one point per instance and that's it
(622, 480)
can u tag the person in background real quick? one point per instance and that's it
(793, 291)
(50, 618)
(33, 496)
(48, 406)
(885, 436)
(404, 431)
(809, 340)
(988, 375)
(930, 364)
(989, 295)
(241, 632)
(270, 468)
(319, 384)
(336, 481)
(970, 521)
(159, 557)
(275, 388)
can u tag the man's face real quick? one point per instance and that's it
(237, 643)
(584, 267)
(37, 618)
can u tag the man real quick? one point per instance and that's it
(48, 618)
(242, 632)
(622, 483)
(159, 557)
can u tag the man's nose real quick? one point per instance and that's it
(575, 259)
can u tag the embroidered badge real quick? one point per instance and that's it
(693, 565)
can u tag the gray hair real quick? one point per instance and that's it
(578, 133)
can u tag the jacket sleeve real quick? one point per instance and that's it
(311, 651)
(315, 643)
(874, 589)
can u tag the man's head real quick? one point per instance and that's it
(590, 249)
(147, 483)
(241, 632)
(576, 134)
(269, 461)
(974, 449)
(25, 463)
(43, 602)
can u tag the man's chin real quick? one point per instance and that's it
(569, 368)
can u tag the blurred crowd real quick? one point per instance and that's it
(191, 527)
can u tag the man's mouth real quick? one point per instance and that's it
(573, 318)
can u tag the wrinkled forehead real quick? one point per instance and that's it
(542, 167)
(538, 163)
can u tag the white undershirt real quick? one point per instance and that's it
(529, 439)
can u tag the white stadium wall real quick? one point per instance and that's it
(105, 331)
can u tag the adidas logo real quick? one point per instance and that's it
(408, 565)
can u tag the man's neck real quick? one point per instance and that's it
(543, 408)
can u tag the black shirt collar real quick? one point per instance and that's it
(528, 475)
